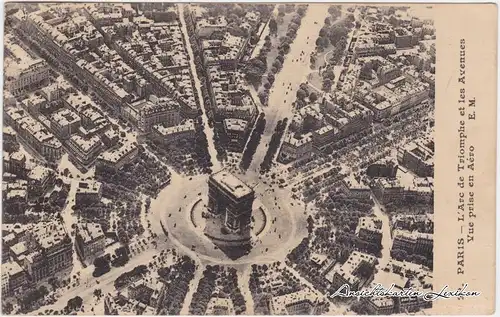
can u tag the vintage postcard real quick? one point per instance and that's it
(165, 158)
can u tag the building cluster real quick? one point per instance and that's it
(144, 295)
(232, 104)
(14, 191)
(70, 38)
(221, 43)
(302, 302)
(411, 222)
(10, 143)
(117, 303)
(369, 232)
(418, 156)
(145, 114)
(124, 152)
(23, 181)
(414, 242)
(76, 125)
(356, 272)
(33, 252)
(156, 48)
(183, 131)
(122, 55)
(397, 95)
(56, 119)
(104, 14)
(414, 178)
(222, 48)
(149, 291)
(225, 52)
(393, 72)
(403, 275)
(14, 164)
(321, 124)
(22, 71)
(354, 187)
(33, 133)
(399, 189)
(88, 192)
(90, 241)
(397, 54)
(389, 32)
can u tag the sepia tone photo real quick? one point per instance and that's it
(242, 159)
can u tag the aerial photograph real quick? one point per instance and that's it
(216, 159)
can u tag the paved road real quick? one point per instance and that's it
(193, 286)
(386, 233)
(169, 200)
(165, 210)
(172, 209)
(106, 283)
(208, 131)
(244, 282)
(294, 72)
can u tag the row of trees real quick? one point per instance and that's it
(253, 143)
(130, 276)
(145, 175)
(258, 66)
(179, 274)
(305, 96)
(402, 255)
(201, 146)
(274, 144)
(284, 47)
(32, 297)
(262, 275)
(335, 237)
(101, 265)
(217, 278)
(235, 11)
(334, 33)
(230, 288)
(303, 93)
(255, 69)
(204, 292)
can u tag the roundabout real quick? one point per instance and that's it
(274, 230)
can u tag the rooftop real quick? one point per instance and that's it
(90, 232)
(39, 173)
(281, 303)
(115, 155)
(85, 145)
(370, 224)
(235, 124)
(231, 183)
(165, 131)
(11, 268)
(411, 236)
